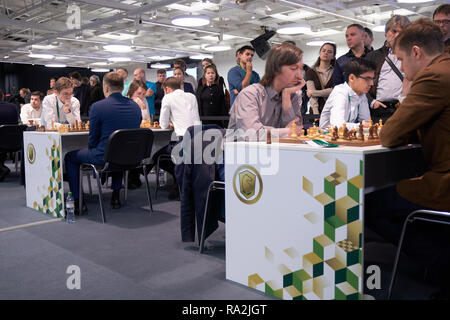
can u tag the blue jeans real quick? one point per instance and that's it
(74, 159)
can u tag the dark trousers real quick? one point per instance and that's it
(383, 113)
(2, 158)
(74, 159)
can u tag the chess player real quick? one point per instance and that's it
(136, 92)
(425, 109)
(60, 107)
(106, 116)
(275, 102)
(348, 102)
(32, 110)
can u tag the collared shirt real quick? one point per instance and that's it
(235, 77)
(151, 100)
(50, 112)
(341, 63)
(389, 84)
(181, 109)
(258, 107)
(27, 112)
(344, 105)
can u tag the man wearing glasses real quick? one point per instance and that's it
(60, 107)
(347, 102)
(441, 17)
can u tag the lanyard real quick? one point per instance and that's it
(350, 111)
(57, 109)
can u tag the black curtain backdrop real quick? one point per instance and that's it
(14, 76)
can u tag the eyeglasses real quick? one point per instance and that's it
(368, 79)
(444, 22)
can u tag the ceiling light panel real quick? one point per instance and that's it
(190, 21)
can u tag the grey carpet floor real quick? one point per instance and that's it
(135, 255)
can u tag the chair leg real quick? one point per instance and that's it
(80, 190)
(100, 196)
(16, 160)
(148, 189)
(125, 177)
(202, 237)
(397, 258)
(157, 178)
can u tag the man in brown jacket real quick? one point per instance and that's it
(425, 110)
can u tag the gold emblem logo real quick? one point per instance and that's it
(248, 188)
(31, 153)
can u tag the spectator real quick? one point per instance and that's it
(187, 77)
(368, 40)
(96, 93)
(185, 86)
(242, 75)
(126, 83)
(441, 17)
(319, 82)
(354, 36)
(81, 92)
(159, 95)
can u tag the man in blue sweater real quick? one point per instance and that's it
(106, 116)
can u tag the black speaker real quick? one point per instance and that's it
(261, 45)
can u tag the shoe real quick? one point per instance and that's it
(84, 208)
(174, 193)
(115, 199)
(4, 171)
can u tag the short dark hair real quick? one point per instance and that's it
(114, 81)
(160, 71)
(37, 93)
(54, 78)
(246, 47)
(136, 84)
(443, 9)
(208, 60)
(284, 54)
(369, 32)
(422, 33)
(76, 75)
(172, 83)
(121, 68)
(357, 25)
(358, 66)
(180, 62)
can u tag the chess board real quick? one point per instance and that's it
(148, 124)
(340, 141)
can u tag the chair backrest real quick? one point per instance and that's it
(128, 147)
(11, 137)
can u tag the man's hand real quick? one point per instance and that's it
(365, 124)
(248, 66)
(298, 128)
(149, 93)
(291, 90)
(378, 104)
(309, 93)
(66, 107)
(235, 92)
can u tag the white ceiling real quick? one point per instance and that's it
(146, 25)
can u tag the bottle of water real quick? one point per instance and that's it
(70, 208)
(162, 178)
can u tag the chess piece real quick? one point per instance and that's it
(375, 131)
(371, 129)
(346, 133)
(269, 137)
(380, 123)
(53, 125)
(321, 135)
(335, 135)
(294, 130)
(361, 132)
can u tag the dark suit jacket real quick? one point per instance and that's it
(426, 109)
(377, 57)
(8, 113)
(108, 115)
(82, 93)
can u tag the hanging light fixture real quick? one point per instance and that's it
(120, 48)
(220, 46)
(190, 21)
(294, 29)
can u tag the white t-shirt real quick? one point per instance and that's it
(181, 109)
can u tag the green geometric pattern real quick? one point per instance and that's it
(54, 198)
(333, 270)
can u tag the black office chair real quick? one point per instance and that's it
(11, 139)
(126, 149)
(213, 186)
(422, 215)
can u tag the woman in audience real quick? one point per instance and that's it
(205, 62)
(96, 89)
(319, 85)
(211, 95)
(179, 74)
(136, 92)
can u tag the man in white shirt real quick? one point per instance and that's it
(60, 107)
(180, 110)
(32, 110)
(348, 102)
